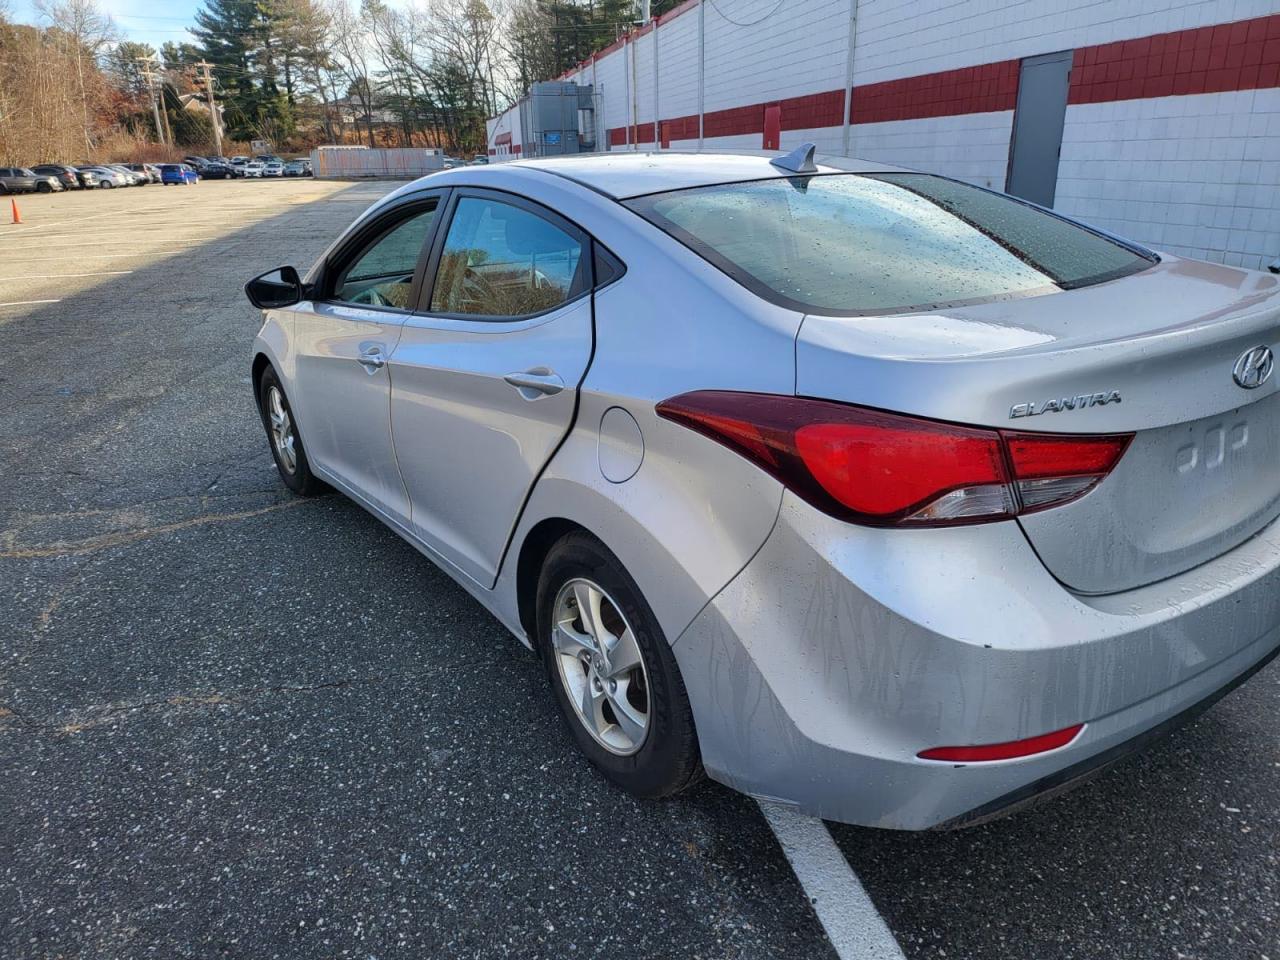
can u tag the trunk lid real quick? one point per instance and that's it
(1152, 354)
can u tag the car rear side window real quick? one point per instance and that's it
(504, 261)
(884, 243)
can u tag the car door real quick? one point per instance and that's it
(484, 380)
(342, 341)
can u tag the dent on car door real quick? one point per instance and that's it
(342, 341)
(485, 377)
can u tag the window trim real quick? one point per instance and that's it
(367, 234)
(586, 262)
(640, 206)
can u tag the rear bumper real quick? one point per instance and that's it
(839, 653)
(1070, 777)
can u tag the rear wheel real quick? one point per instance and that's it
(286, 442)
(614, 676)
(43, 188)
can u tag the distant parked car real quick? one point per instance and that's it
(18, 180)
(107, 176)
(297, 168)
(47, 183)
(273, 168)
(214, 170)
(178, 173)
(479, 160)
(88, 178)
(67, 176)
(195, 162)
(148, 170)
(254, 168)
(132, 179)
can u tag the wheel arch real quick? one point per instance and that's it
(260, 363)
(542, 536)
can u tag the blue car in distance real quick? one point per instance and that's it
(177, 173)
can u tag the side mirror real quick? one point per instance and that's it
(281, 287)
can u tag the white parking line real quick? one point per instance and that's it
(23, 303)
(59, 276)
(133, 242)
(853, 925)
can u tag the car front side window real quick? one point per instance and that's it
(381, 275)
(501, 260)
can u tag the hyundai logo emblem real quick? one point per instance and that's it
(1254, 367)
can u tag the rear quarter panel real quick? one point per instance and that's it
(693, 514)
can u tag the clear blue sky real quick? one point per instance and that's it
(142, 20)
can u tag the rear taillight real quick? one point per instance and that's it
(885, 469)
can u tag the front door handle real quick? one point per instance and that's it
(538, 382)
(372, 359)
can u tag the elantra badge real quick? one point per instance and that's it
(1063, 404)
(1254, 367)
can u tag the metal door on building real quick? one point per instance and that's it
(1037, 127)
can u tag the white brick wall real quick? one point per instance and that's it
(1195, 175)
(611, 76)
(800, 48)
(902, 38)
(678, 66)
(1198, 176)
(642, 50)
(973, 147)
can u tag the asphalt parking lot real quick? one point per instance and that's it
(238, 724)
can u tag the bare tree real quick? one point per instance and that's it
(349, 37)
(87, 31)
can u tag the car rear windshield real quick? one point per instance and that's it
(884, 243)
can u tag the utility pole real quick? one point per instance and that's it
(151, 89)
(213, 107)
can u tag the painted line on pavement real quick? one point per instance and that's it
(852, 922)
(60, 276)
(136, 242)
(23, 303)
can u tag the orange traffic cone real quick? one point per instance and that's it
(17, 217)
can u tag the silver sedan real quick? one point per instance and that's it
(866, 490)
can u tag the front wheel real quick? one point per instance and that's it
(614, 676)
(282, 432)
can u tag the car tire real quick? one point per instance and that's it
(273, 401)
(43, 188)
(666, 760)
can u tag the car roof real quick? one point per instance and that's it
(630, 173)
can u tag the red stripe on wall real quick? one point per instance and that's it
(1234, 56)
(982, 89)
(1231, 56)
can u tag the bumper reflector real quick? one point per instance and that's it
(1004, 751)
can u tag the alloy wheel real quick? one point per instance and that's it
(282, 435)
(601, 667)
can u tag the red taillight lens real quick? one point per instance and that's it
(885, 469)
(1004, 751)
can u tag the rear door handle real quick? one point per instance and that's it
(538, 382)
(372, 359)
